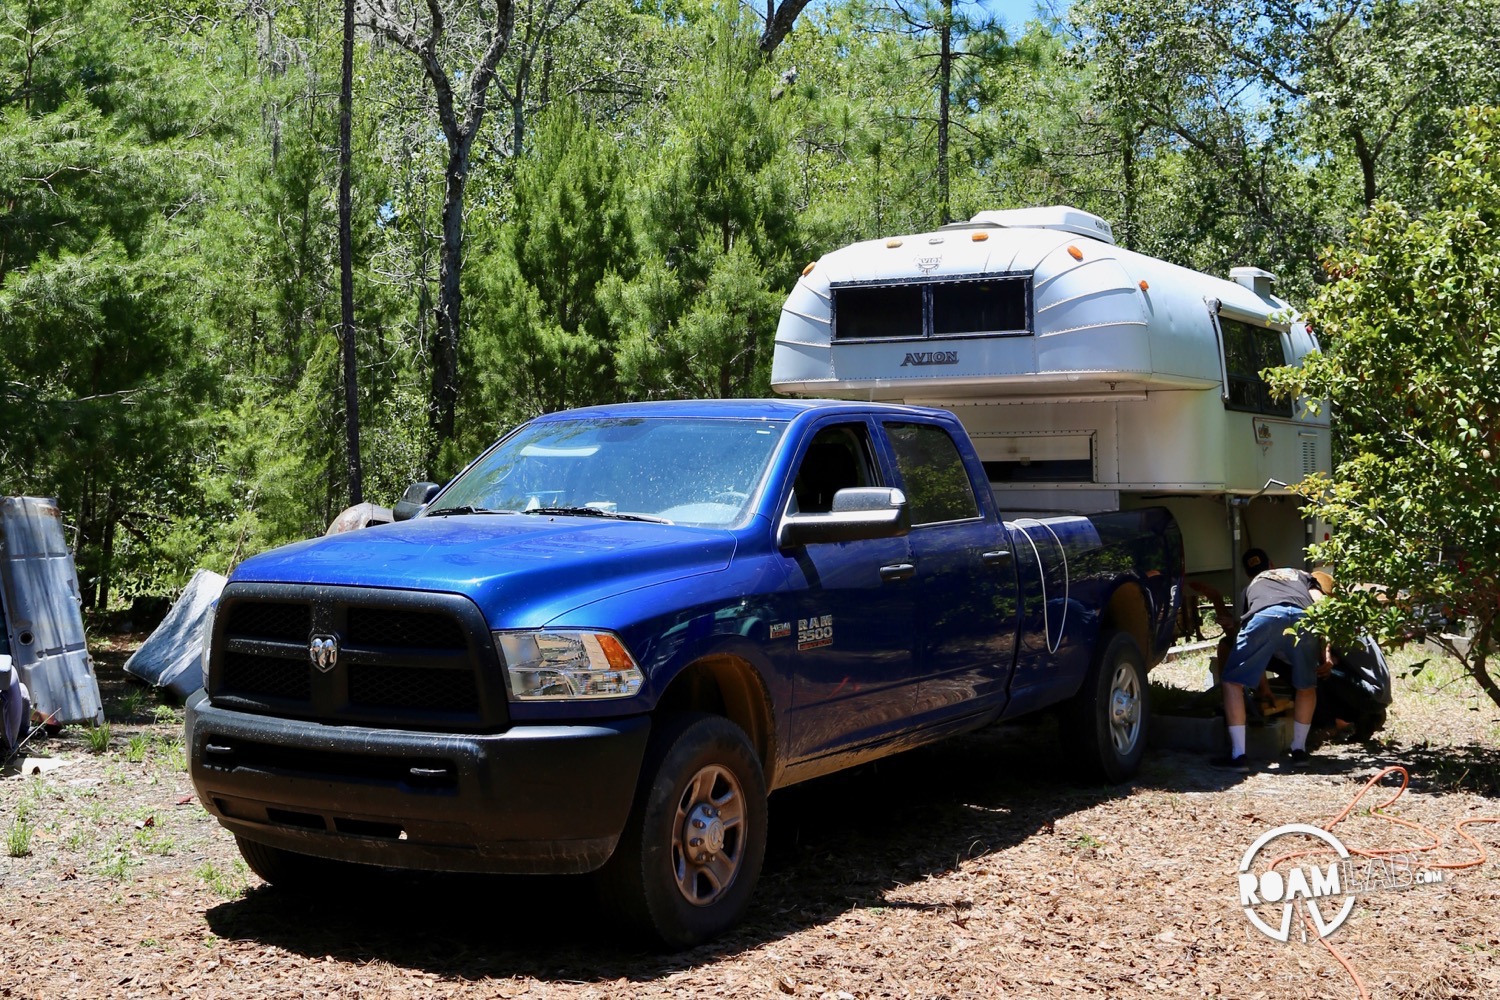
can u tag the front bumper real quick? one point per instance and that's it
(533, 799)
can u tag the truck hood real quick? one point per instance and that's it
(521, 570)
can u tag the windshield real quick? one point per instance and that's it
(691, 470)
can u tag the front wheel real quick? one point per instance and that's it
(693, 845)
(1105, 725)
(299, 873)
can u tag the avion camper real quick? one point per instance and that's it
(1091, 378)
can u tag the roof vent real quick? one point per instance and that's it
(1058, 217)
(1253, 278)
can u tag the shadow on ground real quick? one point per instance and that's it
(836, 844)
(1472, 768)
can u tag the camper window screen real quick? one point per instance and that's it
(979, 307)
(864, 311)
(931, 309)
(1247, 350)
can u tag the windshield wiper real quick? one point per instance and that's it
(464, 509)
(594, 512)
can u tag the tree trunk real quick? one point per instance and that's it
(779, 22)
(460, 124)
(107, 555)
(1366, 159)
(445, 383)
(1128, 180)
(945, 89)
(1478, 662)
(346, 265)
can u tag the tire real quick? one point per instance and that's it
(692, 847)
(299, 873)
(1369, 723)
(1104, 726)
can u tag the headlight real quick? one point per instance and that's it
(567, 665)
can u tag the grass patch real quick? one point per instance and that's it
(77, 839)
(226, 883)
(129, 703)
(119, 864)
(136, 747)
(18, 838)
(97, 738)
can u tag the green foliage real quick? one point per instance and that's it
(541, 339)
(136, 747)
(1412, 340)
(97, 738)
(226, 883)
(642, 192)
(18, 837)
(716, 233)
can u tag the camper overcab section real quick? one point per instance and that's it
(1090, 378)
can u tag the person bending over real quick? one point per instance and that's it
(1276, 601)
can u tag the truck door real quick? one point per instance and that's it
(848, 610)
(966, 595)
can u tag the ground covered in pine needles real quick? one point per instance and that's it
(977, 868)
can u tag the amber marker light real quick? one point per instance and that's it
(615, 653)
(1144, 286)
(1075, 253)
(808, 269)
(979, 237)
(892, 244)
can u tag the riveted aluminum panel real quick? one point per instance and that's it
(43, 612)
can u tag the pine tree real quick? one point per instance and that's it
(718, 236)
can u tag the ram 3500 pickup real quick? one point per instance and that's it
(606, 640)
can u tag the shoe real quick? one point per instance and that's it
(1240, 764)
(1297, 759)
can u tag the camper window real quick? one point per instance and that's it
(932, 474)
(979, 307)
(1247, 350)
(864, 311)
(927, 308)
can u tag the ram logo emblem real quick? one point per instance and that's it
(323, 650)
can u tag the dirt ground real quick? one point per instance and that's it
(977, 868)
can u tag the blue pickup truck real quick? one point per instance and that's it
(604, 642)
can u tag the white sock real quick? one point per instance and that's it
(1299, 735)
(1236, 741)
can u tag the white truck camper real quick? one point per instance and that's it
(1091, 378)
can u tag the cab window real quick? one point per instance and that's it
(932, 474)
(838, 457)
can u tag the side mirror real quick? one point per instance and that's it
(859, 512)
(417, 496)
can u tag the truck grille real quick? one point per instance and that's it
(287, 622)
(413, 660)
(271, 676)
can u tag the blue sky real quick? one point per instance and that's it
(1017, 12)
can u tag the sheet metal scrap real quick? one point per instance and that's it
(43, 612)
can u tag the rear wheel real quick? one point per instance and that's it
(1105, 725)
(692, 848)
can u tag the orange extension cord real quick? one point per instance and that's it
(1435, 843)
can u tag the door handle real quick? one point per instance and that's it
(898, 571)
(997, 558)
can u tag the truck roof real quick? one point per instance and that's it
(769, 409)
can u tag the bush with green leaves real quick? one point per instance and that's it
(1410, 325)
